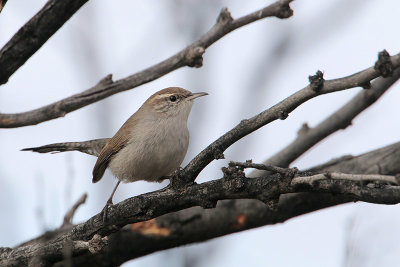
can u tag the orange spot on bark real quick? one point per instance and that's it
(150, 227)
(240, 221)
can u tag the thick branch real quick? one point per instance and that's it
(231, 216)
(234, 216)
(190, 56)
(34, 34)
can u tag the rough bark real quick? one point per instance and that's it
(95, 244)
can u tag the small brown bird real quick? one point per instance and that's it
(149, 146)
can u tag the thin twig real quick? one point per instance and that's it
(190, 56)
(344, 176)
(71, 212)
(271, 168)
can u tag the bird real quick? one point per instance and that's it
(150, 145)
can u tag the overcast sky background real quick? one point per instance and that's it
(244, 73)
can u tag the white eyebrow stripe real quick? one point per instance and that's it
(163, 95)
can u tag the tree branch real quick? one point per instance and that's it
(310, 180)
(34, 34)
(178, 228)
(71, 212)
(190, 56)
(308, 137)
(281, 110)
(230, 216)
(2, 4)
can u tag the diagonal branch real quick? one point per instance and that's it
(281, 110)
(190, 56)
(34, 34)
(2, 4)
(230, 216)
(234, 185)
(341, 119)
(71, 212)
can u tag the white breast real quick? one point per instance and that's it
(155, 150)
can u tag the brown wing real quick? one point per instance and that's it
(116, 143)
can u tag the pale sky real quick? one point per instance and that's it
(242, 77)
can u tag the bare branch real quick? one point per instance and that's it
(34, 34)
(230, 216)
(249, 164)
(341, 119)
(190, 56)
(281, 111)
(310, 180)
(2, 4)
(234, 185)
(278, 111)
(70, 214)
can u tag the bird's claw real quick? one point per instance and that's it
(104, 211)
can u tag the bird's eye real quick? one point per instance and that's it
(172, 98)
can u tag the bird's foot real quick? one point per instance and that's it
(104, 211)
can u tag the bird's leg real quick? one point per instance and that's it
(109, 202)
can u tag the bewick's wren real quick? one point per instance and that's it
(150, 145)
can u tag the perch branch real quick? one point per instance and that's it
(234, 185)
(230, 216)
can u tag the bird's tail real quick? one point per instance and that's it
(91, 147)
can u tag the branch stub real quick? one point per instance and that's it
(194, 57)
(224, 16)
(285, 12)
(384, 64)
(317, 81)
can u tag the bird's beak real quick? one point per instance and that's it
(196, 95)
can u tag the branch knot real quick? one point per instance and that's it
(194, 57)
(97, 243)
(234, 177)
(218, 154)
(179, 181)
(283, 115)
(384, 64)
(317, 81)
(224, 16)
(284, 12)
(303, 129)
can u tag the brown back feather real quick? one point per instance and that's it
(114, 145)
